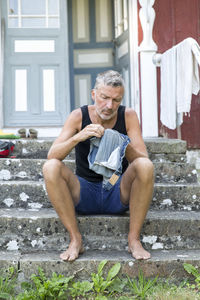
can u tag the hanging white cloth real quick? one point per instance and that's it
(168, 88)
(179, 80)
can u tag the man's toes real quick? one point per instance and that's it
(72, 257)
(64, 256)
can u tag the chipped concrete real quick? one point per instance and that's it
(8, 202)
(7, 162)
(173, 230)
(149, 239)
(5, 175)
(12, 245)
(166, 202)
(187, 208)
(157, 246)
(33, 243)
(193, 157)
(22, 174)
(37, 193)
(35, 205)
(24, 197)
(163, 263)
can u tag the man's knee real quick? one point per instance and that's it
(52, 168)
(144, 169)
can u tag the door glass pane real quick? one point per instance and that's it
(34, 46)
(121, 16)
(36, 7)
(49, 90)
(33, 22)
(33, 14)
(53, 7)
(21, 90)
(13, 7)
(54, 23)
(13, 22)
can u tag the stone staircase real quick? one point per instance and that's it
(32, 235)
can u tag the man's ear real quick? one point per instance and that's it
(93, 94)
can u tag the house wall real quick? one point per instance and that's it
(175, 21)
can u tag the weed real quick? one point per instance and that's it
(194, 271)
(100, 283)
(141, 286)
(167, 290)
(43, 288)
(8, 281)
(101, 287)
(80, 288)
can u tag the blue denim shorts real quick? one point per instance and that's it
(94, 199)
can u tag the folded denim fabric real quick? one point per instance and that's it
(106, 155)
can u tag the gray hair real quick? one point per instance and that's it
(110, 77)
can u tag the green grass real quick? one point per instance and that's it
(101, 286)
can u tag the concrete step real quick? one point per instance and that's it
(168, 172)
(31, 169)
(165, 264)
(28, 230)
(32, 194)
(39, 148)
(25, 169)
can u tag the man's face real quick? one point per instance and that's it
(107, 100)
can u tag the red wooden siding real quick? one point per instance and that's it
(175, 21)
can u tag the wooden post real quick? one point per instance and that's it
(1, 66)
(147, 51)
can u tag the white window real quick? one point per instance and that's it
(33, 14)
(20, 90)
(121, 16)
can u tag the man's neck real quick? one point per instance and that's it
(105, 123)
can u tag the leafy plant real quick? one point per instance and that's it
(80, 288)
(140, 286)
(194, 271)
(42, 288)
(101, 284)
(117, 286)
(8, 281)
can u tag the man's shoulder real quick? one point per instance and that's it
(75, 118)
(76, 113)
(130, 112)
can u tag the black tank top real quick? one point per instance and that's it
(82, 149)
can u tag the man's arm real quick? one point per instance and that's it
(72, 134)
(137, 147)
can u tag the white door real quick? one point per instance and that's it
(36, 83)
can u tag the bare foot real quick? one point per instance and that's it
(75, 248)
(137, 251)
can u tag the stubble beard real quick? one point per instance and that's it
(105, 117)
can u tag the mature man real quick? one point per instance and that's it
(84, 192)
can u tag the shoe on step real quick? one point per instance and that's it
(33, 134)
(22, 133)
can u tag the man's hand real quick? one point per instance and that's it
(89, 131)
(72, 134)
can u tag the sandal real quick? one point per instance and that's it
(22, 133)
(33, 134)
